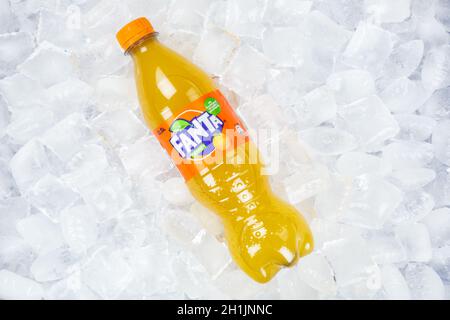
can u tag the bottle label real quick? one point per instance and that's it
(202, 133)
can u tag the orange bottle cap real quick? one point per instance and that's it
(134, 31)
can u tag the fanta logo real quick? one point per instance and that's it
(194, 138)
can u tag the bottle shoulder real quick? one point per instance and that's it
(156, 59)
(167, 81)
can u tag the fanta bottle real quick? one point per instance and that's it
(213, 152)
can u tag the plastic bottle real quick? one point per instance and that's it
(212, 150)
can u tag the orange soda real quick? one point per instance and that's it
(211, 147)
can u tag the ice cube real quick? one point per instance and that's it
(145, 155)
(293, 288)
(394, 284)
(28, 123)
(180, 225)
(441, 141)
(334, 36)
(415, 238)
(192, 282)
(287, 86)
(436, 68)
(105, 17)
(315, 108)
(306, 182)
(351, 85)
(70, 288)
(412, 178)
(149, 192)
(321, 54)
(4, 117)
(350, 260)
(183, 42)
(67, 137)
(215, 50)
(371, 202)
(440, 187)
(441, 262)
(438, 224)
(13, 87)
(358, 163)
(404, 96)
(115, 92)
(7, 150)
(61, 29)
(363, 288)
(404, 59)
(315, 58)
(48, 65)
(102, 57)
(369, 48)
(286, 12)
(316, 272)
(385, 11)
(263, 113)
(236, 284)
(245, 18)
(424, 282)
(8, 186)
(326, 230)
(420, 8)
(208, 219)
(175, 191)
(416, 205)
(385, 248)
(438, 106)
(188, 16)
(153, 272)
(369, 121)
(366, 201)
(8, 20)
(40, 233)
(131, 229)
(27, 8)
(69, 96)
(50, 195)
(14, 48)
(345, 12)
(16, 287)
(86, 167)
(109, 194)
(12, 209)
(15, 254)
(79, 227)
(328, 141)
(119, 126)
(279, 48)
(408, 154)
(107, 273)
(246, 72)
(212, 254)
(430, 30)
(217, 14)
(415, 127)
(53, 265)
(443, 13)
(31, 163)
(156, 9)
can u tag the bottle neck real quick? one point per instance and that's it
(141, 43)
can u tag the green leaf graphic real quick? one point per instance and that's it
(179, 125)
(212, 106)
